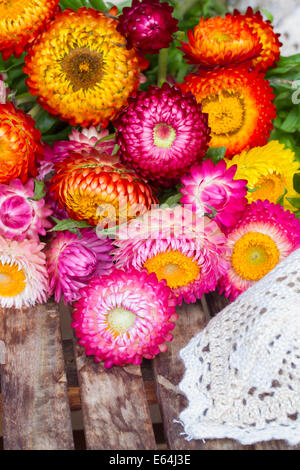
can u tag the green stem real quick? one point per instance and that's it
(24, 99)
(162, 66)
(35, 110)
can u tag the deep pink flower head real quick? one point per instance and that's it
(78, 142)
(210, 186)
(265, 235)
(148, 25)
(178, 246)
(123, 317)
(73, 259)
(162, 133)
(20, 216)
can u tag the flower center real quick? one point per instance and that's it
(120, 320)
(83, 67)
(12, 280)
(163, 135)
(219, 36)
(254, 255)
(177, 269)
(226, 113)
(269, 187)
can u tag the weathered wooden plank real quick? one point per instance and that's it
(168, 372)
(216, 303)
(114, 405)
(36, 413)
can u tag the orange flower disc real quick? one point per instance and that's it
(270, 53)
(20, 144)
(221, 42)
(80, 68)
(96, 187)
(239, 106)
(21, 21)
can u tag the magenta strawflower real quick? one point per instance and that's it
(211, 188)
(73, 259)
(176, 245)
(20, 216)
(78, 142)
(123, 317)
(162, 133)
(147, 25)
(265, 235)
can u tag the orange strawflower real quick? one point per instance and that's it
(80, 68)
(95, 187)
(270, 53)
(21, 21)
(20, 144)
(239, 106)
(221, 41)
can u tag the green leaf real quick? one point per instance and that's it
(69, 224)
(39, 190)
(295, 201)
(280, 200)
(268, 15)
(290, 124)
(296, 181)
(215, 154)
(173, 200)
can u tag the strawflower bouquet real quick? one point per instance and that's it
(149, 155)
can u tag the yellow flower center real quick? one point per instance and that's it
(221, 37)
(226, 113)
(120, 320)
(254, 255)
(269, 187)
(12, 280)
(178, 269)
(83, 67)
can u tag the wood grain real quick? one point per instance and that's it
(36, 413)
(114, 406)
(168, 372)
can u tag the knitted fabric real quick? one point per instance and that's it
(242, 376)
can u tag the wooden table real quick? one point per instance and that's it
(44, 379)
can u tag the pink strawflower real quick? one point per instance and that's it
(265, 235)
(147, 25)
(20, 216)
(211, 187)
(162, 133)
(73, 259)
(78, 142)
(123, 317)
(23, 273)
(175, 244)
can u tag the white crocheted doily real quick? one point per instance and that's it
(242, 376)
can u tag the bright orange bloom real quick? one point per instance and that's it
(95, 187)
(21, 21)
(239, 106)
(20, 144)
(270, 53)
(80, 68)
(221, 41)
